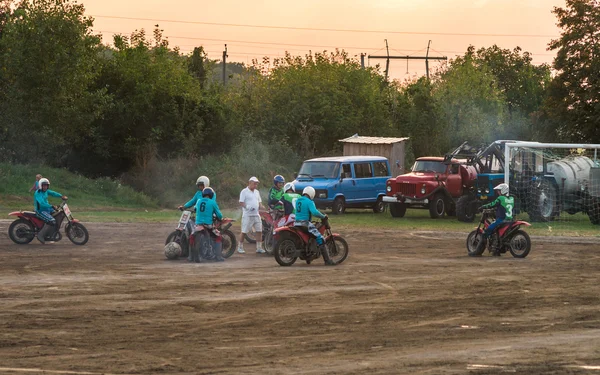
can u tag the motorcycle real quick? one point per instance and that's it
(183, 234)
(23, 230)
(269, 220)
(508, 236)
(295, 242)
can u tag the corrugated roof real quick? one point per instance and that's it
(372, 140)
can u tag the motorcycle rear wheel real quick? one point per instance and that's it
(77, 233)
(338, 249)
(21, 232)
(229, 243)
(472, 241)
(285, 253)
(520, 244)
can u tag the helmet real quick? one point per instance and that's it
(208, 192)
(43, 181)
(277, 179)
(172, 250)
(289, 186)
(203, 180)
(310, 191)
(503, 189)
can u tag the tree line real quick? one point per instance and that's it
(69, 99)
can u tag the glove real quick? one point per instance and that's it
(64, 198)
(180, 208)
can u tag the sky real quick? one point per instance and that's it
(357, 26)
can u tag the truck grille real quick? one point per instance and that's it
(407, 189)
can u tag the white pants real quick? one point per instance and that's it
(249, 222)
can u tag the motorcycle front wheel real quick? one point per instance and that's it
(338, 249)
(77, 233)
(229, 243)
(472, 241)
(285, 252)
(180, 238)
(21, 232)
(520, 244)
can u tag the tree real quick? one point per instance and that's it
(49, 58)
(574, 98)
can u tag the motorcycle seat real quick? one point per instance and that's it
(29, 213)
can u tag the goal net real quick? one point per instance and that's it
(557, 185)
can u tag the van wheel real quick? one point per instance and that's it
(339, 206)
(379, 206)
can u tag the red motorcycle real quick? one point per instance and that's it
(295, 242)
(23, 230)
(269, 220)
(507, 236)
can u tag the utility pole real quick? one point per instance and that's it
(387, 61)
(426, 58)
(362, 60)
(225, 65)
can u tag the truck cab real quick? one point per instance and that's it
(434, 183)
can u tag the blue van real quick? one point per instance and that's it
(346, 181)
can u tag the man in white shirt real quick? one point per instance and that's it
(251, 202)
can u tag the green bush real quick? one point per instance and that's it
(16, 179)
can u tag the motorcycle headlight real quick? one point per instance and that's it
(388, 188)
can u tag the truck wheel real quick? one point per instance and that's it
(543, 203)
(593, 212)
(465, 208)
(339, 206)
(398, 209)
(379, 206)
(437, 206)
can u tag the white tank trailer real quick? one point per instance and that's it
(578, 182)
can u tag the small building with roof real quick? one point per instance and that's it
(391, 148)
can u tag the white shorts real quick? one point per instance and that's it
(249, 222)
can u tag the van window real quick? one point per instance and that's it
(363, 170)
(381, 169)
(346, 171)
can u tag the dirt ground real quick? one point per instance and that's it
(403, 302)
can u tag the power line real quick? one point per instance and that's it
(324, 29)
(304, 45)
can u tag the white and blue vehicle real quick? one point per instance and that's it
(346, 181)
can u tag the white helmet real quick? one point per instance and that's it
(203, 180)
(172, 250)
(310, 191)
(43, 181)
(289, 186)
(503, 188)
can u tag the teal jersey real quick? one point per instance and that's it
(205, 209)
(504, 207)
(196, 197)
(40, 200)
(305, 209)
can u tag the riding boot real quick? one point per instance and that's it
(325, 252)
(217, 246)
(46, 229)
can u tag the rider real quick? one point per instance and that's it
(44, 210)
(504, 212)
(275, 194)
(305, 208)
(206, 210)
(202, 182)
(288, 199)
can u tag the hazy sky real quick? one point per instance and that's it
(404, 23)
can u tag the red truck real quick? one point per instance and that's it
(434, 183)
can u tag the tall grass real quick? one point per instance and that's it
(16, 179)
(173, 182)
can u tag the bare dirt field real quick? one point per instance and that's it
(404, 302)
